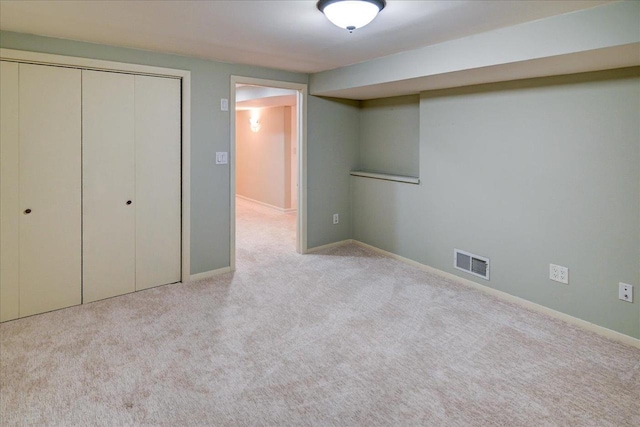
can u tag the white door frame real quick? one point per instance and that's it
(183, 75)
(301, 179)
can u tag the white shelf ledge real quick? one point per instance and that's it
(387, 177)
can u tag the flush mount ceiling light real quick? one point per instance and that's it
(351, 14)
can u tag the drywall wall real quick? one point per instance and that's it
(526, 173)
(210, 80)
(263, 158)
(389, 135)
(329, 163)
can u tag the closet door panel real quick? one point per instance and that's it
(158, 181)
(9, 191)
(108, 185)
(50, 193)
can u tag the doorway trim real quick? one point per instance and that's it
(301, 117)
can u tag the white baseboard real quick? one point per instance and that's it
(601, 330)
(329, 246)
(266, 205)
(211, 273)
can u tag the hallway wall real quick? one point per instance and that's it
(263, 158)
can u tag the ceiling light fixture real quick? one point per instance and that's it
(351, 14)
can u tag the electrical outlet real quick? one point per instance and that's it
(221, 158)
(625, 292)
(336, 219)
(559, 273)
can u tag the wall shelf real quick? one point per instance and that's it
(387, 177)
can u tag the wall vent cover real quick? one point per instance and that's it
(472, 264)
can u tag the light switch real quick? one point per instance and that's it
(221, 158)
(224, 104)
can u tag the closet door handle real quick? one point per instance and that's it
(27, 211)
(128, 202)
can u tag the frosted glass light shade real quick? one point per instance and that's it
(351, 14)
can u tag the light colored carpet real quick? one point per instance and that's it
(344, 337)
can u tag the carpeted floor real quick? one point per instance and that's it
(344, 337)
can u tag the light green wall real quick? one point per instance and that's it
(526, 173)
(210, 81)
(329, 163)
(389, 135)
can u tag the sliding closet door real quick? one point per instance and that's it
(158, 148)
(9, 191)
(50, 176)
(108, 186)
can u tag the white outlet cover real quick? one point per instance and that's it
(221, 158)
(625, 292)
(559, 273)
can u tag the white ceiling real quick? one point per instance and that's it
(290, 35)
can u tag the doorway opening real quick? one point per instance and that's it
(267, 166)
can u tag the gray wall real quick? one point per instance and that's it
(526, 173)
(210, 81)
(389, 135)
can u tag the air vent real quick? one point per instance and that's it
(472, 264)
